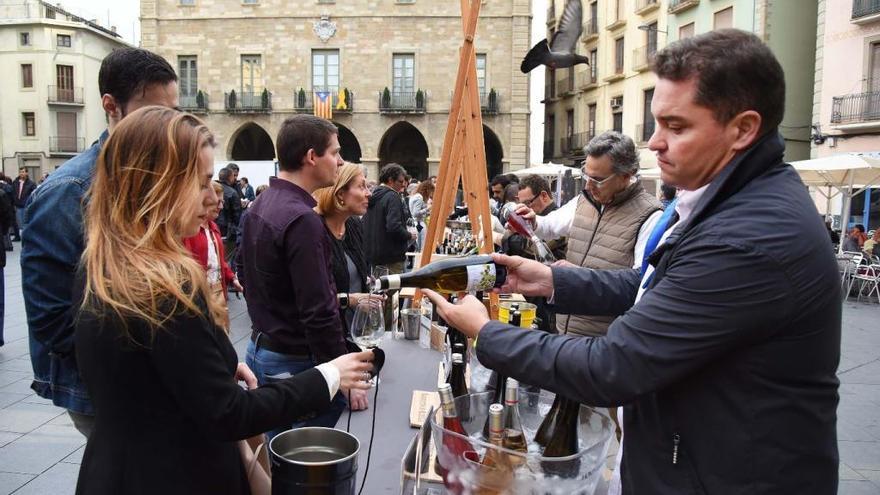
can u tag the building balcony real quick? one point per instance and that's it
(577, 142)
(865, 11)
(304, 101)
(489, 102)
(856, 111)
(616, 24)
(643, 56)
(676, 6)
(197, 103)
(548, 150)
(248, 102)
(65, 96)
(645, 6)
(66, 145)
(565, 145)
(587, 79)
(402, 102)
(643, 134)
(617, 75)
(565, 86)
(591, 30)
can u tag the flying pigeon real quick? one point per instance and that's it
(560, 52)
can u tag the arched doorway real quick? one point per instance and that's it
(351, 148)
(494, 153)
(404, 144)
(251, 142)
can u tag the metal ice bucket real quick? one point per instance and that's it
(314, 461)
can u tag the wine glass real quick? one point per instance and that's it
(376, 272)
(368, 323)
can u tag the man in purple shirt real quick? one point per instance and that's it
(285, 261)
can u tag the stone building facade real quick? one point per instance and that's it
(267, 51)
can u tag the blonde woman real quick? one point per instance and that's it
(161, 373)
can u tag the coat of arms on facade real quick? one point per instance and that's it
(325, 28)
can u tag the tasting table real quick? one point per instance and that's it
(407, 367)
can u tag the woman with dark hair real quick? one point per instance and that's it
(160, 370)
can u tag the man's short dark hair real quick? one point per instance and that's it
(223, 175)
(501, 179)
(619, 148)
(22, 169)
(298, 135)
(536, 183)
(510, 193)
(390, 172)
(859, 227)
(734, 72)
(232, 166)
(245, 180)
(126, 71)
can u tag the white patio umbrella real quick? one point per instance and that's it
(550, 170)
(848, 173)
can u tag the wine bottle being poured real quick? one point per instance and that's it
(467, 274)
(519, 225)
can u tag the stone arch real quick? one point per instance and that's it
(403, 143)
(351, 148)
(251, 142)
(494, 152)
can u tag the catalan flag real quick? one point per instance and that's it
(323, 105)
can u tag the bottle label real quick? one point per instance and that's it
(480, 277)
(393, 282)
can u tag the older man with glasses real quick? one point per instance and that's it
(607, 226)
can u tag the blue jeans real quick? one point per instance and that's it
(267, 365)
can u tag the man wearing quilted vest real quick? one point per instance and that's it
(608, 225)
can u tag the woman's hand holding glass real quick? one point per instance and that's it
(354, 370)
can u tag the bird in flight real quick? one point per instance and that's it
(560, 51)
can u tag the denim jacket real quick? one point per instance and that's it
(51, 246)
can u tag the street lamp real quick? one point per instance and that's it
(649, 28)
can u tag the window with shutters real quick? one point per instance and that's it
(63, 40)
(251, 74)
(325, 70)
(27, 76)
(188, 72)
(686, 31)
(29, 124)
(404, 73)
(723, 19)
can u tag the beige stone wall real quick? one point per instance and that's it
(219, 32)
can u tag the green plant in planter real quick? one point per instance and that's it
(386, 97)
(265, 98)
(301, 98)
(420, 99)
(231, 99)
(200, 99)
(492, 103)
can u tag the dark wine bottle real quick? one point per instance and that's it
(470, 273)
(519, 225)
(548, 425)
(563, 440)
(456, 378)
(497, 385)
(454, 446)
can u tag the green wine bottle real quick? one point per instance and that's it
(563, 441)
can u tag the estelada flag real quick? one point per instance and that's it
(323, 105)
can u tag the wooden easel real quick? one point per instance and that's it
(464, 154)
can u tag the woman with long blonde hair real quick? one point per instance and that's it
(160, 371)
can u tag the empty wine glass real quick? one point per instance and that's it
(368, 323)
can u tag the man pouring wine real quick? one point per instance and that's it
(725, 348)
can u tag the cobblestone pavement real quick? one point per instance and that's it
(40, 451)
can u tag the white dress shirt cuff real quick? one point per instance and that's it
(331, 376)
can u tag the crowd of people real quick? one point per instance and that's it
(692, 317)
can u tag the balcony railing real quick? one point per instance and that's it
(66, 144)
(65, 96)
(565, 145)
(591, 29)
(644, 131)
(248, 102)
(862, 8)
(548, 150)
(855, 108)
(402, 102)
(197, 103)
(565, 86)
(587, 79)
(643, 56)
(643, 6)
(489, 102)
(676, 6)
(578, 141)
(304, 101)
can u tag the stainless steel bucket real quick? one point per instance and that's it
(314, 461)
(412, 323)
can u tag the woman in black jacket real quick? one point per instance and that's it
(160, 371)
(341, 206)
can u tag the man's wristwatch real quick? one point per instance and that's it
(343, 300)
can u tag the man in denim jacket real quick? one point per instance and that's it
(52, 232)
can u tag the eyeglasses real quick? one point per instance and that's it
(599, 182)
(529, 201)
